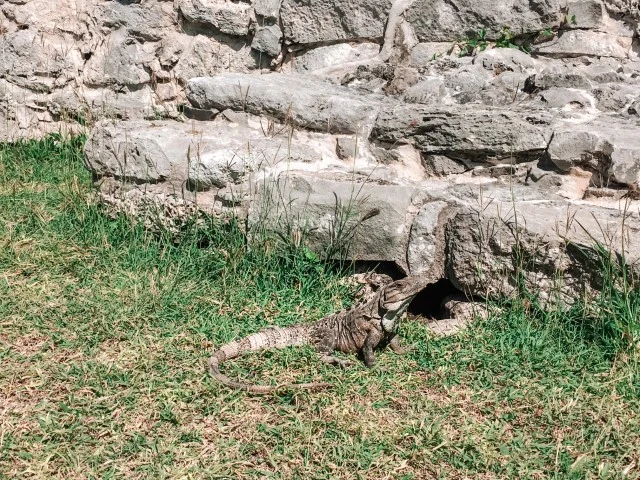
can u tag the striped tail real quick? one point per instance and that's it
(270, 338)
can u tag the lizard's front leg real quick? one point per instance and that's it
(373, 339)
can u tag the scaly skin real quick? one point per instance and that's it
(361, 329)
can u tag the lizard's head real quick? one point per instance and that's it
(396, 298)
(403, 290)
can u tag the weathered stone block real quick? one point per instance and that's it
(458, 132)
(303, 100)
(331, 20)
(268, 40)
(232, 18)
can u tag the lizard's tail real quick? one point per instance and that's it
(275, 337)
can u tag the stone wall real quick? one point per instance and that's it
(71, 62)
(497, 144)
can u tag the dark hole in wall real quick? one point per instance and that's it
(427, 302)
(387, 268)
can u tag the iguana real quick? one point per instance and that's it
(371, 324)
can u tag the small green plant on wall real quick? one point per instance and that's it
(478, 41)
(474, 44)
(505, 40)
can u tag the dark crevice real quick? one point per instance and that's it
(197, 113)
(427, 303)
(386, 268)
(301, 48)
(126, 179)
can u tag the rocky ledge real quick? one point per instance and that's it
(484, 195)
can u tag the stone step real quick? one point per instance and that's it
(301, 100)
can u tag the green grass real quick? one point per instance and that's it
(105, 330)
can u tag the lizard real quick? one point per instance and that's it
(371, 324)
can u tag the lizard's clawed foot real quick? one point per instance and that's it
(339, 362)
(398, 348)
(402, 350)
